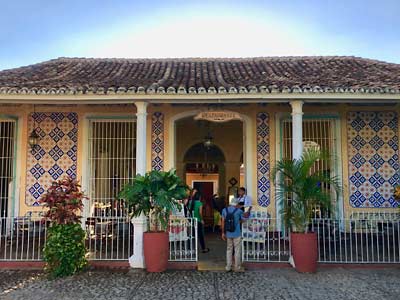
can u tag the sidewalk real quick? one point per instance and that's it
(329, 283)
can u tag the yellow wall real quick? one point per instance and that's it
(190, 177)
(251, 110)
(228, 137)
(84, 111)
(247, 110)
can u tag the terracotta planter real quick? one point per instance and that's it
(304, 251)
(156, 251)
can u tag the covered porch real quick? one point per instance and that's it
(107, 145)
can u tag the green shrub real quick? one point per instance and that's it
(300, 188)
(155, 194)
(64, 251)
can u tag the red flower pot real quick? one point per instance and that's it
(304, 251)
(156, 251)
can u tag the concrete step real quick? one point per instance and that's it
(210, 266)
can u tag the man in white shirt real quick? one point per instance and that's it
(244, 200)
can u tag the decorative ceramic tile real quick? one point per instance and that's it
(373, 158)
(157, 141)
(55, 154)
(263, 165)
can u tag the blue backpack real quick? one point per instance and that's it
(229, 224)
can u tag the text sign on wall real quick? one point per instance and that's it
(218, 116)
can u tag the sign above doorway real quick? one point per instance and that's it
(218, 116)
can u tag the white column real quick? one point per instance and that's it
(141, 137)
(297, 126)
(140, 223)
(297, 139)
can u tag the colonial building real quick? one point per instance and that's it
(222, 123)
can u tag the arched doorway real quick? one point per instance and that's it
(246, 135)
(210, 156)
(204, 169)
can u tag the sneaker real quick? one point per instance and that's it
(228, 269)
(239, 270)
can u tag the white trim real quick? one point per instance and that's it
(202, 98)
(13, 186)
(18, 170)
(248, 151)
(278, 155)
(85, 173)
(339, 166)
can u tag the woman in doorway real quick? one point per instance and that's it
(189, 202)
(197, 213)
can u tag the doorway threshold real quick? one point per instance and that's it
(214, 260)
(210, 266)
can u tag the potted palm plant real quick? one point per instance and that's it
(302, 188)
(155, 195)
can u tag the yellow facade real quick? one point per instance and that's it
(249, 111)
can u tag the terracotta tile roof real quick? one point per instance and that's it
(330, 74)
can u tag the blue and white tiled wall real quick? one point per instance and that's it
(157, 141)
(55, 155)
(373, 155)
(263, 163)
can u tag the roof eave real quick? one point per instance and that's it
(200, 98)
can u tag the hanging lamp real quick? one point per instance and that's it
(33, 139)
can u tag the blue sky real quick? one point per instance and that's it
(36, 30)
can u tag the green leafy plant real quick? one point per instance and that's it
(301, 188)
(155, 194)
(64, 251)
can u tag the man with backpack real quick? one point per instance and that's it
(232, 216)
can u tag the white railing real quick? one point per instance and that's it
(263, 242)
(360, 239)
(22, 238)
(182, 239)
(107, 238)
(365, 238)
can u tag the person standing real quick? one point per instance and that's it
(197, 212)
(189, 202)
(244, 200)
(232, 216)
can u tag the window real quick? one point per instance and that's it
(112, 162)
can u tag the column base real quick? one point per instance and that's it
(137, 262)
(139, 227)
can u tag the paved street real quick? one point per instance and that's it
(270, 284)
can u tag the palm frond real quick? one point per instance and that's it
(300, 189)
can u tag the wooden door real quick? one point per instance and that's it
(206, 190)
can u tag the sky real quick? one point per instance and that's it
(32, 31)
